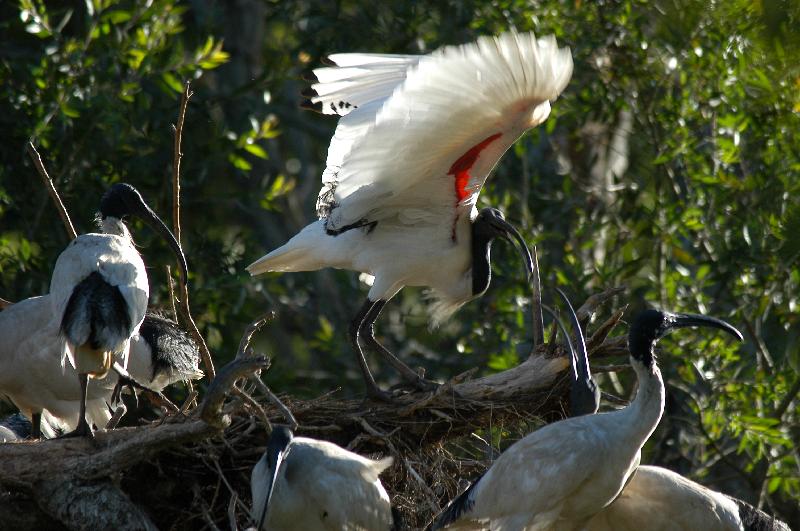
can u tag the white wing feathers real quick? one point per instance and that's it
(427, 130)
(358, 79)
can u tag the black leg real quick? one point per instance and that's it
(36, 425)
(355, 326)
(83, 428)
(367, 332)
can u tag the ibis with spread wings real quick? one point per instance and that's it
(416, 140)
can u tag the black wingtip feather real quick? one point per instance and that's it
(327, 61)
(309, 76)
(308, 92)
(311, 106)
(756, 520)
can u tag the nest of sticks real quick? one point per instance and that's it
(198, 477)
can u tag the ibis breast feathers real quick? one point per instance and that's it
(423, 132)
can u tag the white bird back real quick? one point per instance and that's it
(323, 487)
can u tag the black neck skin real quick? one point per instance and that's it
(481, 261)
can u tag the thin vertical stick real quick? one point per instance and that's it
(176, 214)
(51, 189)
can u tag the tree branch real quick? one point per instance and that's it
(51, 189)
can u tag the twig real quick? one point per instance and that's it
(176, 216)
(5, 304)
(251, 329)
(171, 286)
(51, 189)
(176, 162)
(211, 408)
(287, 414)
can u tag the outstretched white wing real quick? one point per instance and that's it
(423, 132)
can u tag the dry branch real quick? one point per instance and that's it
(184, 310)
(5, 304)
(51, 189)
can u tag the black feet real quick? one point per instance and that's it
(83, 430)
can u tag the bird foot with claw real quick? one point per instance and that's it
(83, 430)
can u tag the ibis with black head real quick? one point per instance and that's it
(303, 483)
(416, 141)
(564, 473)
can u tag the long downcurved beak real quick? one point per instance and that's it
(683, 320)
(146, 214)
(563, 328)
(582, 356)
(275, 457)
(512, 234)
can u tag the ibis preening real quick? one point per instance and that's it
(657, 499)
(417, 138)
(562, 474)
(32, 377)
(302, 483)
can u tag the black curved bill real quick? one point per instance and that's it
(582, 357)
(564, 331)
(135, 205)
(513, 235)
(277, 450)
(683, 320)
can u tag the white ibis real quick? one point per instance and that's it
(417, 138)
(657, 499)
(98, 297)
(302, 483)
(562, 474)
(32, 377)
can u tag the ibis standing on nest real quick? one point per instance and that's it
(417, 138)
(657, 499)
(99, 292)
(31, 375)
(564, 473)
(302, 483)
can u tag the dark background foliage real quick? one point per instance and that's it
(669, 165)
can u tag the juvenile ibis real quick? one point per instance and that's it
(417, 138)
(32, 377)
(657, 499)
(559, 476)
(302, 483)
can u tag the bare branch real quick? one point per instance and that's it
(51, 189)
(5, 304)
(176, 216)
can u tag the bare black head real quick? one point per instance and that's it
(122, 200)
(277, 449)
(651, 325)
(584, 394)
(488, 225)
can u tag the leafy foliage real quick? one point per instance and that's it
(669, 165)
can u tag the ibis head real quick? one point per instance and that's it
(651, 325)
(488, 225)
(122, 200)
(277, 449)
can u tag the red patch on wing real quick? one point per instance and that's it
(461, 168)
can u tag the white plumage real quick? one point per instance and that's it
(32, 377)
(318, 486)
(559, 476)
(98, 298)
(657, 499)
(416, 141)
